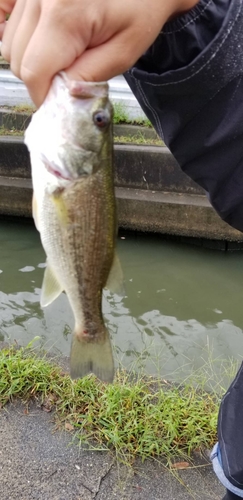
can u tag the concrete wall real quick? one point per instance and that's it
(152, 192)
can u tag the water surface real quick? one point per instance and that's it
(183, 304)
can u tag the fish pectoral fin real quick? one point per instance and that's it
(92, 356)
(51, 287)
(115, 281)
(35, 211)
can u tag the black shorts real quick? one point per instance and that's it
(189, 84)
(227, 455)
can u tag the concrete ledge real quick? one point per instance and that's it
(175, 214)
(11, 120)
(14, 158)
(151, 167)
(153, 193)
(15, 197)
(137, 167)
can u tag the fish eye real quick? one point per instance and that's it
(101, 119)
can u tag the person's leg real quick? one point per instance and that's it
(195, 102)
(227, 454)
(230, 496)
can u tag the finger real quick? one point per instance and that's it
(11, 28)
(57, 50)
(2, 22)
(7, 5)
(2, 27)
(2, 15)
(23, 34)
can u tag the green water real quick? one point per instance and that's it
(183, 304)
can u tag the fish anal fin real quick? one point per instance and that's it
(115, 281)
(51, 287)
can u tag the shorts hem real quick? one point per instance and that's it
(217, 467)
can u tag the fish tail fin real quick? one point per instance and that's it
(92, 356)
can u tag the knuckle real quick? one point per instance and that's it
(5, 52)
(15, 69)
(27, 76)
(37, 91)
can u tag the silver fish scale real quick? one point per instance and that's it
(78, 232)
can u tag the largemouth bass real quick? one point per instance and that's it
(70, 144)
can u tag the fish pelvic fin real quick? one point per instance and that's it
(51, 287)
(92, 356)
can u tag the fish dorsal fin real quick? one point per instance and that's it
(115, 281)
(51, 287)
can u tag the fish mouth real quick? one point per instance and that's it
(83, 89)
(57, 172)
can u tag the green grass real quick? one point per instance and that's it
(138, 139)
(12, 131)
(132, 139)
(24, 108)
(135, 416)
(121, 116)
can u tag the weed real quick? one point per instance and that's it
(24, 108)
(12, 131)
(138, 139)
(134, 416)
(121, 116)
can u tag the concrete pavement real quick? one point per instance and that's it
(40, 462)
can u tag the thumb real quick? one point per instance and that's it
(103, 62)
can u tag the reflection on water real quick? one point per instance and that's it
(179, 300)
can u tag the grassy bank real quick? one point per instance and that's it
(137, 139)
(13, 131)
(143, 417)
(120, 114)
(129, 139)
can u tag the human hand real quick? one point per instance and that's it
(92, 40)
(6, 7)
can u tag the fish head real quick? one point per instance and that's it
(87, 127)
(71, 133)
